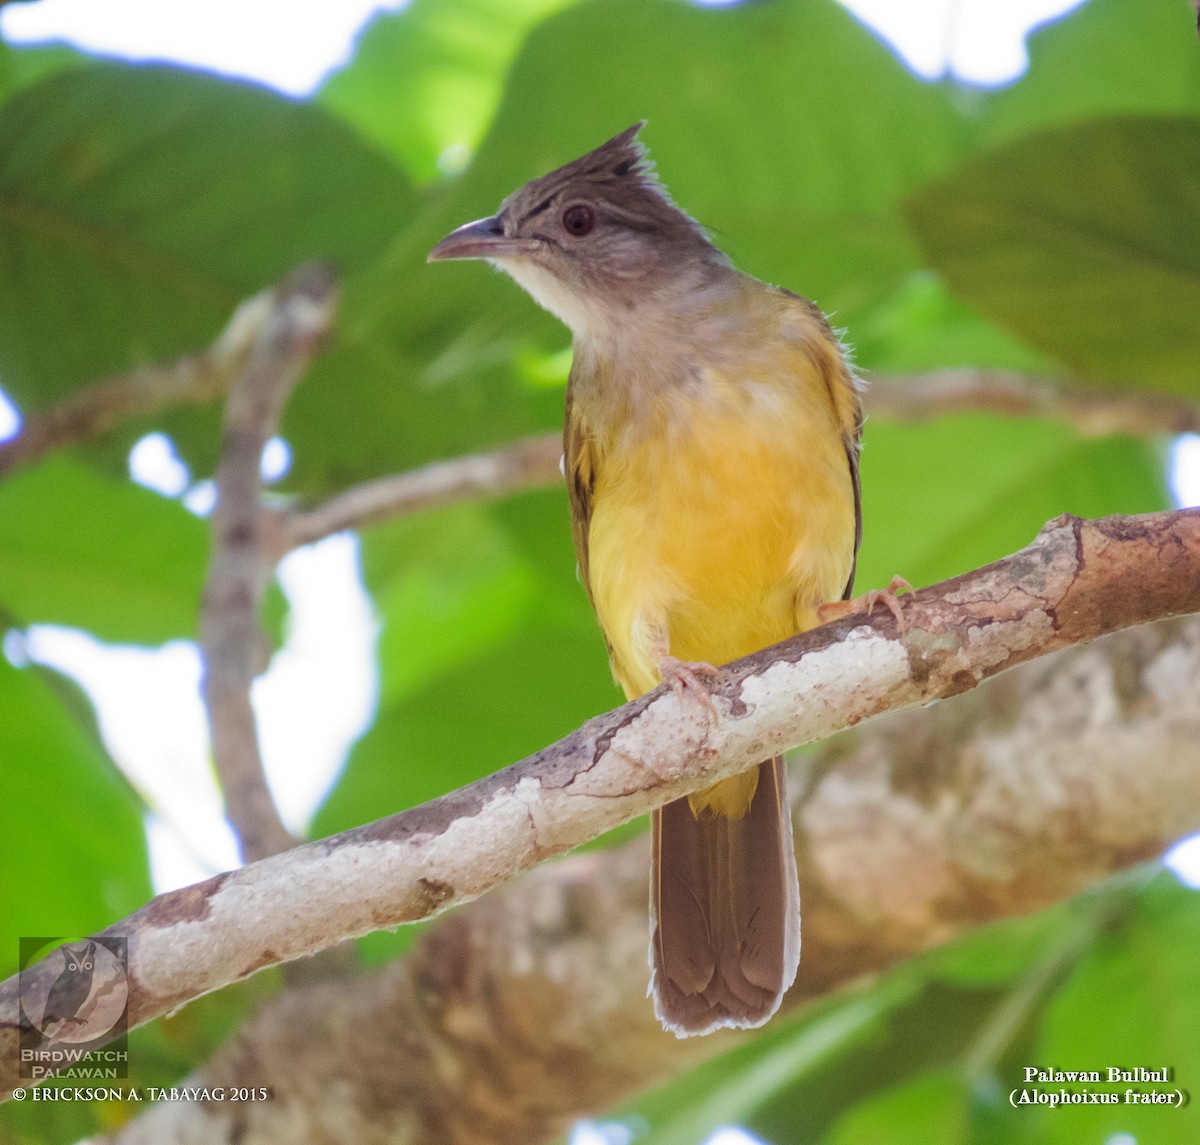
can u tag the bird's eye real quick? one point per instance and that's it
(579, 219)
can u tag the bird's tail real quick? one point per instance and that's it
(725, 907)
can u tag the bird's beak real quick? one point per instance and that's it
(484, 238)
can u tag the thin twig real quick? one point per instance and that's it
(527, 464)
(201, 377)
(1005, 1022)
(1084, 407)
(291, 324)
(533, 462)
(96, 409)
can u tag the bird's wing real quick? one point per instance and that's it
(845, 392)
(851, 442)
(579, 469)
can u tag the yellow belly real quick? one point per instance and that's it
(725, 527)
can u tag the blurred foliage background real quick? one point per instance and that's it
(1051, 226)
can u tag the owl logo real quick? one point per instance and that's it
(85, 1000)
(70, 991)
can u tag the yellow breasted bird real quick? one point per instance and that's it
(711, 457)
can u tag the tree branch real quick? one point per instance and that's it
(290, 325)
(1086, 408)
(1077, 580)
(527, 464)
(193, 379)
(201, 377)
(533, 462)
(911, 829)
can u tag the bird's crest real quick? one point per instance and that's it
(620, 176)
(621, 162)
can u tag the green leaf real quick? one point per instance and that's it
(790, 162)
(1107, 57)
(731, 1089)
(923, 326)
(424, 81)
(1001, 951)
(449, 586)
(139, 204)
(989, 484)
(499, 707)
(105, 555)
(929, 1108)
(1100, 270)
(67, 819)
(771, 169)
(1133, 1001)
(21, 66)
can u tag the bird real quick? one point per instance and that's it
(711, 454)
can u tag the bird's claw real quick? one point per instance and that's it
(836, 609)
(688, 678)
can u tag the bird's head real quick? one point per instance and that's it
(591, 241)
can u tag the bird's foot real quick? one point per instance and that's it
(836, 609)
(691, 678)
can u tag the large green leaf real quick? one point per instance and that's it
(496, 708)
(71, 841)
(791, 161)
(20, 67)
(105, 555)
(731, 1089)
(424, 81)
(1106, 57)
(138, 204)
(923, 326)
(928, 1108)
(956, 493)
(1134, 1001)
(450, 586)
(1002, 950)
(1100, 269)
